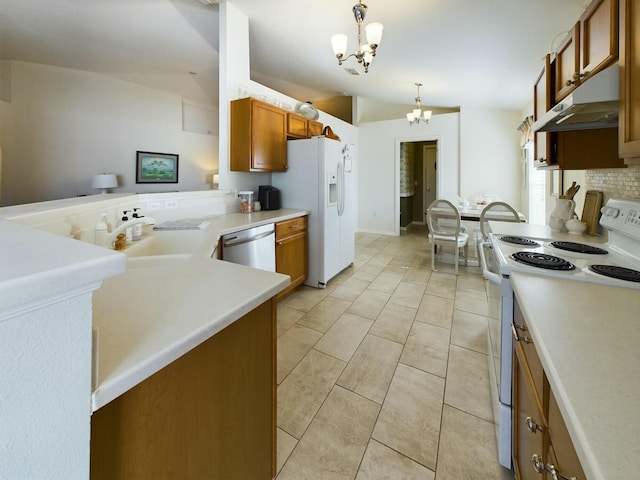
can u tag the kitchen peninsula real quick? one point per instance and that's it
(586, 337)
(186, 347)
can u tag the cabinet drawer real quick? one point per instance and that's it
(531, 359)
(290, 227)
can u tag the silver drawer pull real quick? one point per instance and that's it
(517, 337)
(533, 426)
(539, 466)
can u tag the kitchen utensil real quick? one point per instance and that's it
(571, 191)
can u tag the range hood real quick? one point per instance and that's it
(594, 104)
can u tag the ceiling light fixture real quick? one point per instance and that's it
(415, 115)
(364, 52)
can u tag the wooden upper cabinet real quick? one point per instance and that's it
(629, 129)
(314, 128)
(258, 137)
(541, 104)
(301, 127)
(598, 37)
(567, 63)
(296, 125)
(591, 46)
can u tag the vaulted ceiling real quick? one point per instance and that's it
(466, 53)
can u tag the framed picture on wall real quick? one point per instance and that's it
(154, 167)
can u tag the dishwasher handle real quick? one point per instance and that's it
(232, 242)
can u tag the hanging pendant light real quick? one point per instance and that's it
(365, 52)
(415, 115)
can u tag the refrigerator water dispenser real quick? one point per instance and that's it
(333, 188)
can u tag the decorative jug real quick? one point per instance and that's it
(564, 211)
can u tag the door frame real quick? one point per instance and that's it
(396, 188)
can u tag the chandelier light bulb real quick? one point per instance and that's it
(374, 33)
(339, 44)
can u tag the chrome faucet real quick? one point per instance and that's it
(111, 238)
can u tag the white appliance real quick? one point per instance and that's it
(585, 262)
(320, 179)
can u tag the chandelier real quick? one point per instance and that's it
(415, 115)
(364, 52)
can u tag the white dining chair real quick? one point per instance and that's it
(443, 221)
(499, 212)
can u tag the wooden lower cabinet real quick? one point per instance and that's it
(292, 252)
(209, 414)
(528, 420)
(541, 442)
(562, 453)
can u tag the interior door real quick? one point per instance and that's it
(430, 158)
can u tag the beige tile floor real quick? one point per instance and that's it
(383, 374)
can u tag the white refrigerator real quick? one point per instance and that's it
(320, 179)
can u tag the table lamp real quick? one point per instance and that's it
(104, 182)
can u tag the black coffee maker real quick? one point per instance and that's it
(269, 197)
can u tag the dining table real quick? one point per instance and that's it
(472, 213)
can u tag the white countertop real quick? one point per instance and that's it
(149, 317)
(531, 230)
(38, 265)
(588, 340)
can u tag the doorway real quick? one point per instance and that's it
(417, 181)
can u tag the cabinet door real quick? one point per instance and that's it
(314, 128)
(541, 104)
(296, 126)
(567, 64)
(583, 149)
(291, 259)
(268, 139)
(629, 131)
(598, 37)
(528, 422)
(562, 456)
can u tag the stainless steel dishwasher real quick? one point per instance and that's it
(254, 247)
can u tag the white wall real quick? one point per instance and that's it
(45, 379)
(69, 125)
(491, 157)
(235, 74)
(378, 167)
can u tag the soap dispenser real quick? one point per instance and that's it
(102, 231)
(129, 230)
(137, 228)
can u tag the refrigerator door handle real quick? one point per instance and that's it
(340, 189)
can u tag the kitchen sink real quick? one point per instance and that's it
(163, 243)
